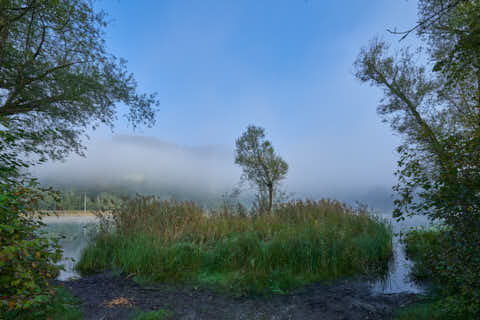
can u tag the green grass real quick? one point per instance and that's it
(430, 310)
(66, 306)
(422, 246)
(63, 307)
(160, 314)
(300, 243)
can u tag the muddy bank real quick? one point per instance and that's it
(106, 296)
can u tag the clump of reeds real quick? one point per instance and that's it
(300, 242)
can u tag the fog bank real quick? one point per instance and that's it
(148, 165)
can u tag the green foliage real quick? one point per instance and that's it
(427, 310)
(153, 315)
(56, 78)
(423, 245)
(445, 262)
(299, 243)
(10, 163)
(65, 306)
(437, 112)
(62, 307)
(26, 259)
(261, 166)
(436, 109)
(452, 28)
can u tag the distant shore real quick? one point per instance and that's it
(67, 213)
(54, 216)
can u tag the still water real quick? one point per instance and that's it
(75, 232)
(78, 229)
(397, 279)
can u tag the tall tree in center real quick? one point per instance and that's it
(261, 166)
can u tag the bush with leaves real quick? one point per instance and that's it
(448, 263)
(27, 258)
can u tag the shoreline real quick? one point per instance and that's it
(342, 299)
(65, 213)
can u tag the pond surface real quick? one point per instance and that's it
(77, 230)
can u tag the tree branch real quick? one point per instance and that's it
(29, 31)
(23, 83)
(51, 70)
(427, 22)
(39, 48)
(9, 110)
(412, 108)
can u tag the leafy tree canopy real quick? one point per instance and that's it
(56, 78)
(435, 107)
(261, 166)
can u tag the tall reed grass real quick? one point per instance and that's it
(299, 243)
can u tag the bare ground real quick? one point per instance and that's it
(107, 296)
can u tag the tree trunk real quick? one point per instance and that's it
(270, 197)
(478, 89)
(3, 35)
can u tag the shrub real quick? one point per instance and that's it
(27, 259)
(450, 262)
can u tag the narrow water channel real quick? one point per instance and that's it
(398, 279)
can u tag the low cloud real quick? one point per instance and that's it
(145, 165)
(148, 165)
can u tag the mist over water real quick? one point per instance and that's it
(134, 164)
(129, 164)
(147, 165)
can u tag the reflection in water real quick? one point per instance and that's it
(397, 279)
(75, 231)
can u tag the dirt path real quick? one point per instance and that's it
(106, 296)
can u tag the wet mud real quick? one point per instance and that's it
(108, 296)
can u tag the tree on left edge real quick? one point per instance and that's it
(57, 79)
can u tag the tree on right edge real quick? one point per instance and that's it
(261, 166)
(435, 107)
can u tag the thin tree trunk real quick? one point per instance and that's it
(478, 89)
(270, 198)
(3, 35)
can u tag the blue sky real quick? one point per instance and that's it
(285, 65)
(220, 65)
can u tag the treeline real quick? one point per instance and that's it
(71, 198)
(78, 200)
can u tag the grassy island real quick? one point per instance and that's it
(300, 242)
